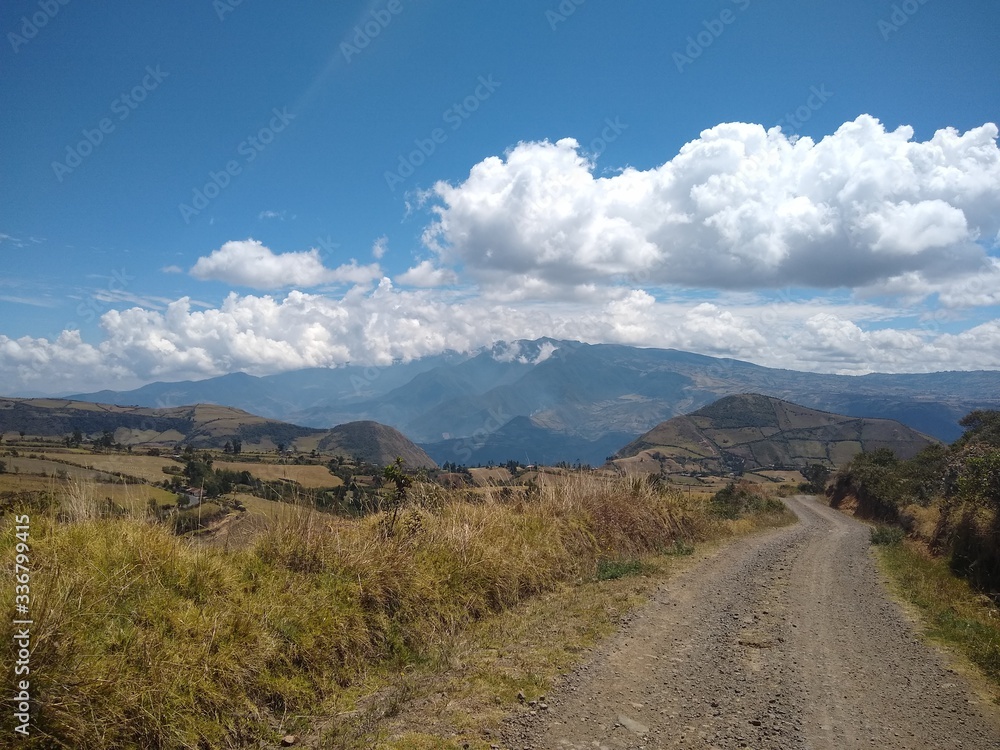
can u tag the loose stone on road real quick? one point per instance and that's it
(780, 641)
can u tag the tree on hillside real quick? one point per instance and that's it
(980, 479)
(816, 476)
(3, 467)
(981, 426)
(197, 472)
(105, 442)
(400, 483)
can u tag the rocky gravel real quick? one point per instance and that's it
(785, 640)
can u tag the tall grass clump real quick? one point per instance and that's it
(743, 499)
(145, 639)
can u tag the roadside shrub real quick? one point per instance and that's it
(816, 476)
(873, 479)
(741, 499)
(886, 535)
(955, 490)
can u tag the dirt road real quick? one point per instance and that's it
(785, 640)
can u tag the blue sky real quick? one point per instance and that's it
(366, 166)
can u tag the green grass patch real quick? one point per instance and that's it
(610, 570)
(886, 535)
(680, 548)
(954, 614)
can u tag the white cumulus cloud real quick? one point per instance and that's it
(251, 264)
(425, 274)
(740, 207)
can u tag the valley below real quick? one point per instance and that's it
(361, 595)
(783, 640)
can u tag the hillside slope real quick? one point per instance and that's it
(202, 426)
(374, 443)
(750, 431)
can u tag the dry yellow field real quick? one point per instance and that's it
(133, 497)
(793, 477)
(485, 477)
(43, 467)
(26, 483)
(149, 468)
(271, 509)
(306, 475)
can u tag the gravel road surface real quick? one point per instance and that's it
(784, 640)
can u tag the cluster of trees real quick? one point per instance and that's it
(199, 473)
(816, 476)
(233, 447)
(105, 442)
(961, 482)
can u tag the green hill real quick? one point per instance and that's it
(748, 432)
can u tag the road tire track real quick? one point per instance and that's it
(782, 641)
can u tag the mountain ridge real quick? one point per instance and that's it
(578, 391)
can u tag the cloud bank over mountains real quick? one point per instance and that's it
(863, 251)
(738, 208)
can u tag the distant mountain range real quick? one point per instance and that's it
(549, 400)
(751, 432)
(204, 426)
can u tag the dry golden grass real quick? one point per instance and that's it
(487, 477)
(131, 497)
(469, 688)
(224, 416)
(921, 521)
(308, 443)
(309, 476)
(26, 483)
(147, 640)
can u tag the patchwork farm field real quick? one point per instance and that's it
(148, 468)
(44, 467)
(132, 497)
(310, 476)
(10, 482)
